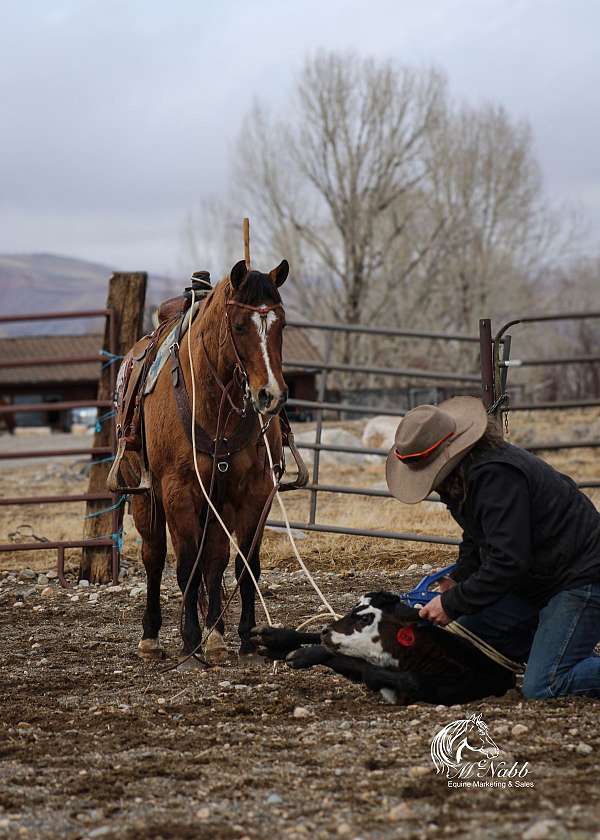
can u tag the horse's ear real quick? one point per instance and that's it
(279, 274)
(237, 274)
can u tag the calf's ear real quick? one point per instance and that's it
(406, 614)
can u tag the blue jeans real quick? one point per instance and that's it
(557, 642)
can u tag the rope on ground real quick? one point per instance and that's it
(326, 604)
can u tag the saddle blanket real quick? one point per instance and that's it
(163, 351)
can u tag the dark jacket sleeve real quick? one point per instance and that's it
(468, 559)
(501, 505)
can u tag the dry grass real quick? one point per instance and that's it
(322, 551)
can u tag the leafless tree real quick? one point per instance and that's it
(394, 206)
(324, 180)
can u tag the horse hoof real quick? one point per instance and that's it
(253, 658)
(215, 648)
(150, 649)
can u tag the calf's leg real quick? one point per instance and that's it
(406, 686)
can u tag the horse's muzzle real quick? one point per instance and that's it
(266, 402)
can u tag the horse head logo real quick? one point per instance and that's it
(467, 734)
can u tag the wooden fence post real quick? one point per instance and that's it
(126, 298)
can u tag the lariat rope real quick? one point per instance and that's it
(454, 627)
(233, 542)
(230, 536)
(303, 566)
(458, 630)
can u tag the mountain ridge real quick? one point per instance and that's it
(47, 282)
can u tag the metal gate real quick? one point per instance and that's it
(111, 541)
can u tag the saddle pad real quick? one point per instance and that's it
(163, 351)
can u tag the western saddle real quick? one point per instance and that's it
(129, 472)
(136, 378)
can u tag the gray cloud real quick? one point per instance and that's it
(119, 117)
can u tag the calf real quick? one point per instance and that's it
(384, 644)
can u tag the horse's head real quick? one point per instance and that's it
(256, 319)
(479, 739)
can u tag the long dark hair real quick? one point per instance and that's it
(454, 485)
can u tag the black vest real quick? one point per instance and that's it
(565, 525)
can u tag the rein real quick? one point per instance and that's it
(221, 467)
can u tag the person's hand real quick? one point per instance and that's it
(433, 611)
(446, 583)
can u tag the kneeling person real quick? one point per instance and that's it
(528, 574)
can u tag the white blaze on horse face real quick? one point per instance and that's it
(365, 641)
(263, 324)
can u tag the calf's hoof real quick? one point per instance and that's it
(150, 649)
(215, 648)
(307, 657)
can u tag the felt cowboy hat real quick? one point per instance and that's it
(430, 441)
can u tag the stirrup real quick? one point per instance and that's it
(115, 482)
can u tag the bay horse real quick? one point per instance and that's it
(235, 343)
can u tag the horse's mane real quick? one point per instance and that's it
(256, 288)
(442, 746)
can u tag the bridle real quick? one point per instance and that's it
(240, 373)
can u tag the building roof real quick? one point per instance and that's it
(296, 345)
(50, 346)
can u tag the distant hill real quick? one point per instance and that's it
(52, 283)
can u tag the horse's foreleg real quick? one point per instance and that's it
(149, 519)
(189, 579)
(217, 557)
(248, 646)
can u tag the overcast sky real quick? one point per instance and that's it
(117, 118)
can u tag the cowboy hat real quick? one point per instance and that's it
(430, 441)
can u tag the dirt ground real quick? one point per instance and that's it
(96, 743)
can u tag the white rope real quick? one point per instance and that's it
(206, 495)
(314, 618)
(458, 630)
(303, 566)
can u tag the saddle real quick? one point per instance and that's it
(137, 376)
(129, 472)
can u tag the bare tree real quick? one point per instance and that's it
(324, 180)
(394, 206)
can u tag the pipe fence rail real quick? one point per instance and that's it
(322, 405)
(491, 382)
(495, 363)
(111, 541)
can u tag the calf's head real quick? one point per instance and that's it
(380, 629)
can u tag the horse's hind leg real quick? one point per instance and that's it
(149, 519)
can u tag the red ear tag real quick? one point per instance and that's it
(405, 636)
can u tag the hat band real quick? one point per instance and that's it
(417, 455)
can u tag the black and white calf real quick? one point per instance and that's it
(384, 644)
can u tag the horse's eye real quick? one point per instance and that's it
(239, 328)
